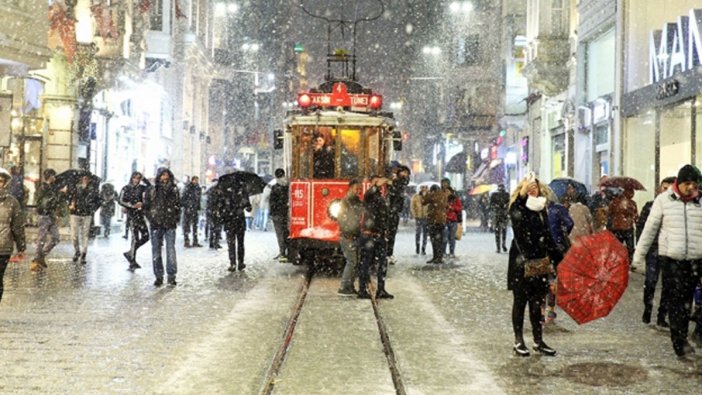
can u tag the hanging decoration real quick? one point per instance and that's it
(103, 17)
(65, 25)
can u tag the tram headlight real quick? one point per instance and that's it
(334, 209)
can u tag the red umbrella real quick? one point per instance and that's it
(623, 182)
(592, 276)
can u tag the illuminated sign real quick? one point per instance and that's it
(675, 48)
(340, 97)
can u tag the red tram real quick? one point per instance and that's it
(338, 133)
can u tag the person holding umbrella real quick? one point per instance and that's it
(11, 226)
(532, 241)
(676, 220)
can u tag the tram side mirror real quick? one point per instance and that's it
(278, 139)
(397, 140)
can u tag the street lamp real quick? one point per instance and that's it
(431, 50)
(461, 7)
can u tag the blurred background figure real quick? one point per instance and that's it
(499, 202)
(107, 207)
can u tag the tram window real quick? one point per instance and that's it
(301, 156)
(373, 142)
(350, 146)
(323, 154)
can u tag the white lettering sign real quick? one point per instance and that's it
(676, 48)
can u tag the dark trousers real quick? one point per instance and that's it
(420, 232)
(626, 237)
(373, 249)
(500, 233)
(679, 281)
(235, 241)
(4, 259)
(531, 292)
(106, 222)
(392, 232)
(280, 224)
(140, 233)
(190, 218)
(215, 233)
(653, 269)
(436, 233)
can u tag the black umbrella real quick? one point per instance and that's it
(457, 163)
(252, 183)
(71, 178)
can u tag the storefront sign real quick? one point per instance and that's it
(667, 89)
(676, 48)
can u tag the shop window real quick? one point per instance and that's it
(156, 15)
(350, 149)
(468, 50)
(559, 155)
(639, 144)
(676, 138)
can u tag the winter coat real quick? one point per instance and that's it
(499, 202)
(107, 202)
(417, 207)
(623, 213)
(396, 196)
(48, 200)
(279, 199)
(454, 211)
(233, 206)
(582, 221)
(641, 222)
(192, 194)
(350, 216)
(376, 214)
(560, 224)
(130, 195)
(532, 239)
(11, 225)
(437, 203)
(323, 165)
(162, 203)
(680, 227)
(85, 200)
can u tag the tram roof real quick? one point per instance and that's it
(340, 118)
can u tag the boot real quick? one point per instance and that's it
(504, 248)
(646, 318)
(187, 243)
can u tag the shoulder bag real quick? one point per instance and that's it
(535, 267)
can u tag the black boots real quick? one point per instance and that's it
(646, 318)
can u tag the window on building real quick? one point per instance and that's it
(156, 15)
(468, 50)
(558, 25)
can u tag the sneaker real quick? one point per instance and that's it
(391, 260)
(438, 262)
(521, 350)
(134, 266)
(504, 248)
(36, 266)
(76, 256)
(544, 349)
(196, 244)
(662, 323)
(231, 268)
(187, 244)
(158, 282)
(646, 317)
(172, 281)
(550, 317)
(242, 266)
(346, 292)
(363, 295)
(283, 259)
(383, 295)
(424, 252)
(83, 260)
(128, 257)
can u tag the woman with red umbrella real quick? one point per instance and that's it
(676, 220)
(532, 240)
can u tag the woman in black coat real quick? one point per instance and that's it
(528, 213)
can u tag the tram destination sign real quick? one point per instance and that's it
(677, 47)
(340, 97)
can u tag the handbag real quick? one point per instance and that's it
(459, 231)
(535, 267)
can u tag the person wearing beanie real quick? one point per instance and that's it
(675, 221)
(11, 225)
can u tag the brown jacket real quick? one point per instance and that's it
(437, 204)
(623, 213)
(418, 209)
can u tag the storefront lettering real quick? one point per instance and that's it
(675, 48)
(667, 89)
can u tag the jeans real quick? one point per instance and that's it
(80, 232)
(157, 237)
(436, 233)
(450, 237)
(372, 249)
(261, 221)
(679, 281)
(653, 270)
(349, 247)
(47, 227)
(4, 259)
(420, 231)
(106, 222)
(280, 224)
(190, 218)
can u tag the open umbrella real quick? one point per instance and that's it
(559, 186)
(480, 189)
(72, 177)
(457, 163)
(623, 182)
(252, 183)
(592, 277)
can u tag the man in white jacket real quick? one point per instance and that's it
(677, 213)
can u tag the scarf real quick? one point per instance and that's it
(536, 203)
(684, 199)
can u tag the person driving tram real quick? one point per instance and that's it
(323, 155)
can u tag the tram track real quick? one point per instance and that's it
(279, 359)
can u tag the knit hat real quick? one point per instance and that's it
(689, 173)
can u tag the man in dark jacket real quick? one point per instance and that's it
(191, 210)
(213, 228)
(374, 230)
(499, 201)
(653, 264)
(279, 205)
(48, 201)
(162, 205)
(396, 202)
(350, 213)
(132, 197)
(234, 201)
(84, 203)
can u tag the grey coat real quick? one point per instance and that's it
(11, 225)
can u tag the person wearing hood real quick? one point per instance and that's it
(11, 226)
(279, 207)
(131, 197)
(192, 195)
(528, 212)
(84, 202)
(675, 221)
(162, 205)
